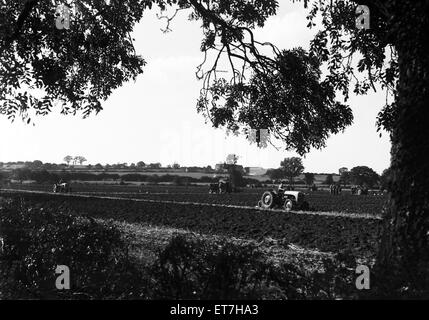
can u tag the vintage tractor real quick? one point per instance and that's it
(61, 187)
(288, 200)
(223, 186)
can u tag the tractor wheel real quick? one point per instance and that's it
(288, 206)
(267, 200)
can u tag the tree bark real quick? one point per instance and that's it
(404, 248)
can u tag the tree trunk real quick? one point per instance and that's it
(404, 249)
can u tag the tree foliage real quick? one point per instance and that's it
(309, 178)
(290, 100)
(363, 175)
(358, 59)
(68, 159)
(79, 159)
(78, 68)
(41, 66)
(231, 159)
(291, 167)
(141, 164)
(385, 178)
(345, 178)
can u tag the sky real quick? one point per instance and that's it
(154, 119)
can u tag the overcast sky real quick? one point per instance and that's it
(154, 119)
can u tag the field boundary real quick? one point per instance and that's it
(146, 193)
(187, 203)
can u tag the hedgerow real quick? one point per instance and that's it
(38, 239)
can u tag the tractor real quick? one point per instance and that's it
(288, 200)
(63, 187)
(224, 186)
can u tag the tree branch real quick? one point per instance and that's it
(28, 7)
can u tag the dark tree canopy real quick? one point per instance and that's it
(385, 178)
(364, 176)
(79, 67)
(282, 91)
(345, 178)
(290, 100)
(76, 68)
(285, 91)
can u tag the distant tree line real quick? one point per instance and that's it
(362, 176)
(75, 160)
(291, 168)
(37, 164)
(44, 176)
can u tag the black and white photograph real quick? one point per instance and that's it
(214, 150)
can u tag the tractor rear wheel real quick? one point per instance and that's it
(267, 200)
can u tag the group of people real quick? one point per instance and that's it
(359, 190)
(335, 188)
